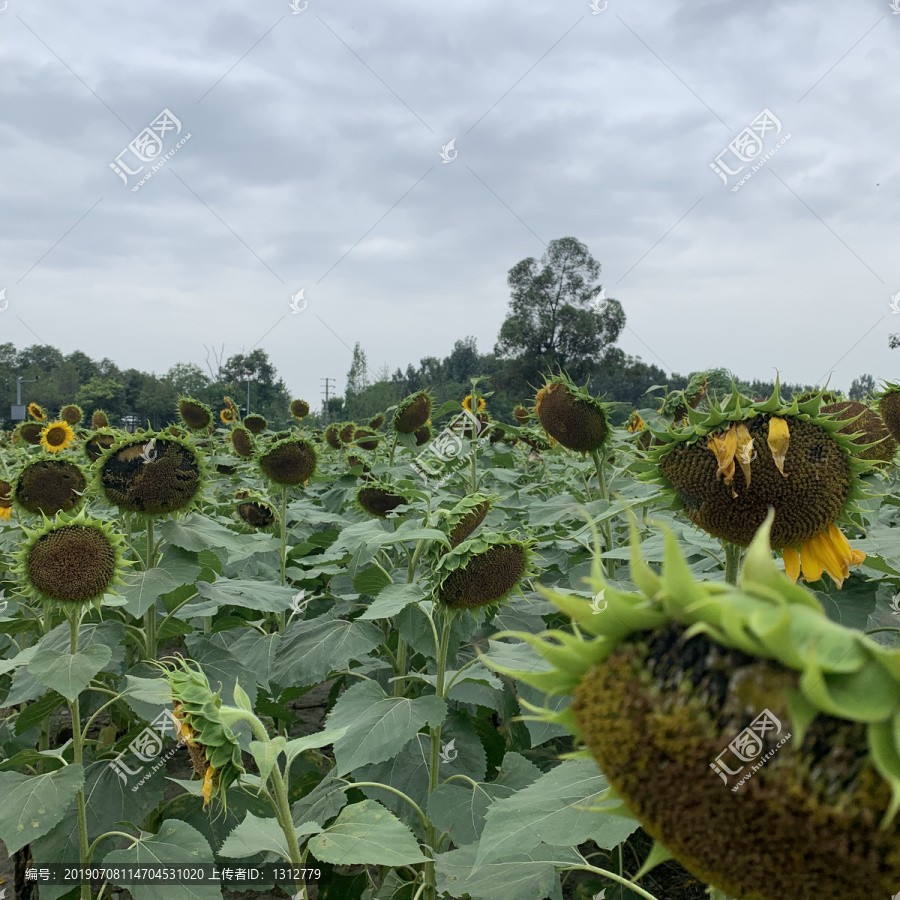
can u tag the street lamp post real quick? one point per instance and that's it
(248, 373)
(18, 411)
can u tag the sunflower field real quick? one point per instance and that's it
(434, 656)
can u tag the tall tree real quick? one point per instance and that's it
(862, 387)
(357, 380)
(558, 317)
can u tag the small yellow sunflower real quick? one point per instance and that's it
(467, 403)
(636, 423)
(56, 436)
(36, 412)
(227, 416)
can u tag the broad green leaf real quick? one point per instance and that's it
(143, 589)
(256, 651)
(22, 658)
(266, 755)
(69, 674)
(378, 725)
(522, 876)
(175, 844)
(109, 634)
(322, 803)
(33, 804)
(197, 532)
(312, 742)
(222, 668)
(247, 594)
(370, 581)
(255, 835)
(554, 810)
(311, 650)
(392, 599)
(367, 834)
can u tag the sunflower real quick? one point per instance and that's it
(521, 415)
(875, 441)
(413, 413)
(346, 433)
(255, 423)
(676, 404)
(377, 498)
(227, 416)
(466, 516)
(50, 486)
(332, 437)
(194, 415)
(888, 400)
(377, 422)
(289, 461)
(99, 442)
(687, 685)
(254, 511)
(99, 419)
(72, 559)
(56, 436)
(572, 416)
(635, 423)
(154, 474)
(299, 409)
(727, 467)
(37, 412)
(481, 571)
(5, 500)
(467, 403)
(242, 442)
(365, 439)
(30, 432)
(72, 414)
(230, 404)
(423, 434)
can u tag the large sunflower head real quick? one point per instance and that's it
(207, 728)
(888, 399)
(878, 444)
(413, 412)
(751, 736)
(37, 412)
(570, 415)
(466, 516)
(72, 414)
(30, 432)
(56, 436)
(728, 466)
(99, 419)
(152, 474)
(299, 409)
(346, 432)
(194, 415)
(242, 441)
(378, 498)
(71, 559)
(255, 423)
(49, 486)
(289, 461)
(482, 571)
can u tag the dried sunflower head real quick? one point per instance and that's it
(255, 423)
(365, 439)
(195, 415)
(333, 437)
(289, 461)
(253, 510)
(378, 498)
(30, 432)
(466, 516)
(867, 424)
(242, 441)
(299, 409)
(377, 422)
(99, 419)
(753, 737)
(888, 404)
(49, 486)
(521, 415)
(570, 415)
(72, 414)
(413, 413)
(98, 443)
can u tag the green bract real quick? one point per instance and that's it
(667, 682)
(466, 516)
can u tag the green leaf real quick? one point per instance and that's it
(255, 835)
(247, 594)
(554, 810)
(266, 755)
(370, 581)
(311, 650)
(22, 658)
(69, 674)
(367, 834)
(145, 588)
(523, 876)
(198, 532)
(312, 742)
(33, 804)
(175, 844)
(34, 713)
(392, 599)
(322, 803)
(378, 725)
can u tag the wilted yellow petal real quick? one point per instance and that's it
(745, 453)
(779, 438)
(810, 563)
(207, 785)
(791, 563)
(856, 557)
(724, 446)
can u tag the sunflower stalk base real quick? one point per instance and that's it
(732, 562)
(606, 525)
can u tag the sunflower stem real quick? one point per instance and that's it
(393, 448)
(150, 614)
(732, 562)
(74, 616)
(609, 565)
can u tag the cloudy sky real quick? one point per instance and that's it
(305, 153)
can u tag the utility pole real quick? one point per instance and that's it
(327, 381)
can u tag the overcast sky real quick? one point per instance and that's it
(314, 162)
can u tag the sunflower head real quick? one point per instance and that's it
(346, 432)
(56, 436)
(71, 414)
(299, 409)
(333, 437)
(207, 727)
(227, 416)
(98, 443)
(378, 498)
(685, 685)
(365, 439)
(521, 415)
(482, 571)
(570, 415)
(242, 441)
(99, 419)
(422, 435)
(254, 511)
(377, 422)
(467, 403)
(6, 501)
(30, 432)
(194, 415)
(255, 423)
(37, 412)
(49, 486)
(888, 400)
(466, 516)
(875, 440)
(413, 412)
(725, 468)
(152, 474)
(289, 461)
(635, 423)
(71, 559)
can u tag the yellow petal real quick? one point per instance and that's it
(745, 453)
(809, 562)
(856, 557)
(833, 561)
(207, 785)
(779, 438)
(791, 563)
(724, 446)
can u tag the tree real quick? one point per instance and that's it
(862, 387)
(558, 315)
(357, 379)
(101, 393)
(188, 380)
